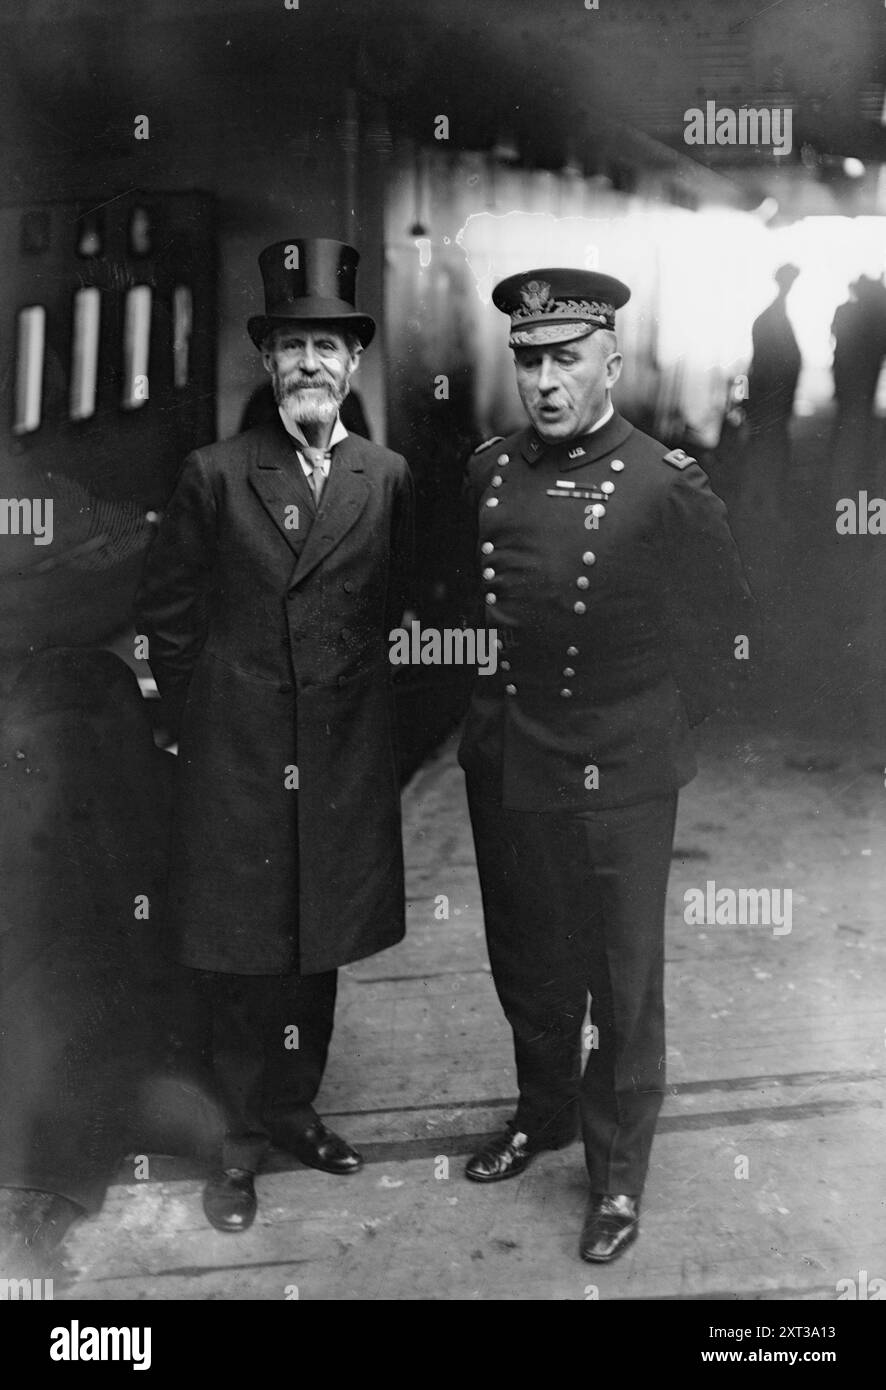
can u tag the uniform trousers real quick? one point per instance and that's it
(574, 905)
(266, 1073)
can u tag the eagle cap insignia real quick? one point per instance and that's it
(536, 295)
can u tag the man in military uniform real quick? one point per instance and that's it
(614, 584)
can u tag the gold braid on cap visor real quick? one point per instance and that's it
(551, 333)
(597, 310)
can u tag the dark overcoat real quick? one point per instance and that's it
(267, 620)
(613, 581)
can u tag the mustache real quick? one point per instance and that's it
(291, 385)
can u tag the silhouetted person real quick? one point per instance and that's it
(261, 409)
(772, 385)
(859, 332)
(775, 367)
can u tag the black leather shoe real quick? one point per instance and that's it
(318, 1147)
(229, 1199)
(611, 1223)
(506, 1155)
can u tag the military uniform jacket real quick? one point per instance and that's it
(267, 619)
(612, 579)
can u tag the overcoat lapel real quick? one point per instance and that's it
(276, 476)
(343, 499)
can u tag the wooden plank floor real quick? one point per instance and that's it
(776, 1066)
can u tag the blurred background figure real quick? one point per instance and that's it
(859, 335)
(772, 385)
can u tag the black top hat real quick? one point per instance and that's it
(310, 278)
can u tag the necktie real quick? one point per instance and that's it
(316, 458)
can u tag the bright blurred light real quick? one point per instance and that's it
(698, 280)
(853, 168)
(705, 276)
(691, 275)
(831, 252)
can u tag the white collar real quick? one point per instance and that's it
(604, 418)
(294, 431)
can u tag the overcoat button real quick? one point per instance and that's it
(503, 458)
(579, 607)
(510, 690)
(492, 502)
(566, 694)
(616, 465)
(568, 672)
(348, 587)
(582, 581)
(607, 487)
(497, 480)
(589, 558)
(490, 598)
(489, 574)
(487, 547)
(572, 651)
(505, 665)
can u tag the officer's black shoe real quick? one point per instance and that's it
(229, 1199)
(318, 1147)
(611, 1223)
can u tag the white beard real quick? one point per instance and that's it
(310, 405)
(317, 406)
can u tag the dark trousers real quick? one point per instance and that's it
(574, 905)
(265, 1084)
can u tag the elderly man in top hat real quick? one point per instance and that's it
(606, 562)
(276, 574)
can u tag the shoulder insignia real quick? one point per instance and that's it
(488, 443)
(677, 459)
